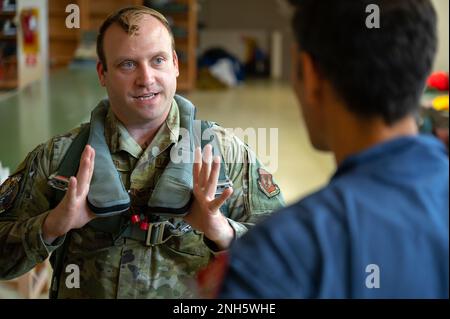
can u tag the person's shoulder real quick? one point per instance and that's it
(308, 207)
(223, 134)
(322, 200)
(56, 147)
(63, 141)
(319, 210)
(49, 153)
(432, 150)
(274, 244)
(68, 136)
(231, 145)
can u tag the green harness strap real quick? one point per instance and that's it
(68, 167)
(206, 125)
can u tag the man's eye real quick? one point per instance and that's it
(127, 65)
(159, 60)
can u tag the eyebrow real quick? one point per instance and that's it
(124, 58)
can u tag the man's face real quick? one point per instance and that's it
(142, 71)
(305, 84)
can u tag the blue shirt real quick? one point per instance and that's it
(379, 229)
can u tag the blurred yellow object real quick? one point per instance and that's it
(441, 103)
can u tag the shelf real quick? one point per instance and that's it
(59, 13)
(8, 84)
(7, 13)
(8, 37)
(9, 81)
(65, 37)
(58, 7)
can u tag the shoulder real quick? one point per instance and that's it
(59, 144)
(49, 154)
(308, 223)
(233, 149)
(234, 152)
(282, 251)
(226, 136)
(29, 179)
(247, 171)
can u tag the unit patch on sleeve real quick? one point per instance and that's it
(266, 184)
(8, 192)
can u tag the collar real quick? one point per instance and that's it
(119, 139)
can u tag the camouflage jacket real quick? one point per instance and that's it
(123, 267)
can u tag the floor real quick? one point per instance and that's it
(63, 101)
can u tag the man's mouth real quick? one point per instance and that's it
(145, 97)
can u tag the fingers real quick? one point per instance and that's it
(197, 165)
(85, 170)
(72, 190)
(211, 186)
(218, 202)
(206, 166)
(91, 169)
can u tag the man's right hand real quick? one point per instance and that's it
(72, 212)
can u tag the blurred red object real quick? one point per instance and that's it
(438, 81)
(210, 278)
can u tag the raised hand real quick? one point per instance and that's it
(204, 214)
(72, 212)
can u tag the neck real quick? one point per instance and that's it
(143, 131)
(143, 135)
(353, 135)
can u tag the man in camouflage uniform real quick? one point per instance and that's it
(138, 66)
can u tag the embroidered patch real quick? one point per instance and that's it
(266, 185)
(8, 192)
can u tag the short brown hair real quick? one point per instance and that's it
(127, 18)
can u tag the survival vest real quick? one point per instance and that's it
(107, 197)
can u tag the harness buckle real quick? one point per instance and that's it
(59, 182)
(155, 233)
(160, 232)
(222, 185)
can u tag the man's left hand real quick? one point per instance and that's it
(204, 214)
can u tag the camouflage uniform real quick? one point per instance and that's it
(123, 268)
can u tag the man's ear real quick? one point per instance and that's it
(175, 62)
(101, 73)
(311, 78)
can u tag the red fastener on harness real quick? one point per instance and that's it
(144, 224)
(135, 218)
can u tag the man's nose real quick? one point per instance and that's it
(146, 75)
